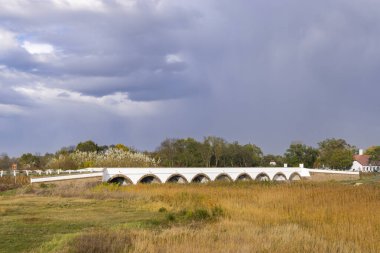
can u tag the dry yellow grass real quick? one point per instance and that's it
(258, 217)
(10, 182)
(279, 218)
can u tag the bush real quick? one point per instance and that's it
(44, 186)
(217, 212)
(197, 215)
(9, 182)
(200, 215)
(100, 241)
(170, 217)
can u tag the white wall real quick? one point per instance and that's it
(356, 166)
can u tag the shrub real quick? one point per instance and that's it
(170, 217)
(9, 182)
(217, 212)
(44, 186)
(100, 241)
(200, 215)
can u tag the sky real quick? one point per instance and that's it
(139, 71)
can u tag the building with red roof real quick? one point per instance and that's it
(363, 163)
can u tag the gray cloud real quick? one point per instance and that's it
(259, 72)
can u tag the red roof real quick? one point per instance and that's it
(364, 160)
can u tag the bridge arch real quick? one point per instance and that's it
(120, 180)
(262, 177)
(149, 179)
(295, 177)
(244, 177)
(200, 178)
(177, 178)
(279, 177)
(223, 177)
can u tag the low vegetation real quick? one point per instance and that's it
(215, 217)
(10, 182)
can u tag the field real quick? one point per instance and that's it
(216, 217)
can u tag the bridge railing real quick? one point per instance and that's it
(48, 172)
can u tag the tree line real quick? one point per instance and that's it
(217, 152)
(212, 151)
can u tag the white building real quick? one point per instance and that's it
(362, 163)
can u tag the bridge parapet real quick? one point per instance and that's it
(188, 175)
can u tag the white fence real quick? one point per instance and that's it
(48, 172)
(39, 176)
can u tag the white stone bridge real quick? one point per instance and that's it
(125, 176)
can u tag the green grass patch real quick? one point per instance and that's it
(186, 216)
(31, 222)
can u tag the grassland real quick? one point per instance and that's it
(218, 217)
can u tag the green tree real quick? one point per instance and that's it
(192, 156)
(65, 150)
(122, 147)
(232, 155)
(374, 153)
(254, 155)
(267, 159)
(29, 161)
(213, 151)
(217, 145)
(165, 153)
(102, 148)
(45, 159)
(236, 155)
(5, 161)
(299, 153)
(335, 154)
(206, 153)
(87, 146)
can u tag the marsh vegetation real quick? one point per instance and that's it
(214, 217)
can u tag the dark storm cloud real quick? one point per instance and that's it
(10, 79)
(113, 43)
(257, 71)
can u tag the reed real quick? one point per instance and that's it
(100, 241)
(280, 218)
(235, 217)
(10, 182)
